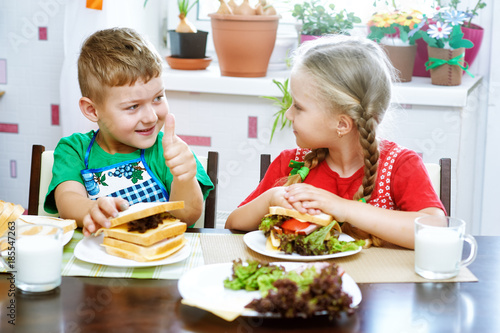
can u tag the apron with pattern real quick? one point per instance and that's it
(132, 180)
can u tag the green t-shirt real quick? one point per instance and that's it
(69, 160)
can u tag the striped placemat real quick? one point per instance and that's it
(75, 267)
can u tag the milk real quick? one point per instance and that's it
(438, 250)
(38, 260)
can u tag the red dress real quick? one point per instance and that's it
(402, 179)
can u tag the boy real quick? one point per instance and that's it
(127, 160)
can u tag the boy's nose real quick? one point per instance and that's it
(149, 114)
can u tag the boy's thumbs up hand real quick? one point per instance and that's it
(178, 157)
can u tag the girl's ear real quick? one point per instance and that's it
(88, 109)
(344, 125)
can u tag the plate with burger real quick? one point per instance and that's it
(287, 234)
(144, 235)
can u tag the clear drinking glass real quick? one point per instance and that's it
(34, 256)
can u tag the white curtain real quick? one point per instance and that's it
(79, 23)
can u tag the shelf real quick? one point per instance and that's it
(419, 91)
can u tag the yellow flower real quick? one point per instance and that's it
(409, 19)
(382, 20)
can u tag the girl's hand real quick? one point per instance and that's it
(101, 211)
(312, 200)
(277, 197)
(178, 157)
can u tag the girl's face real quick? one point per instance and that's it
(313, 125)
(131, 117)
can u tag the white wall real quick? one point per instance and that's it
(490, 222)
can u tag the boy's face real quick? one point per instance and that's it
(131, 117)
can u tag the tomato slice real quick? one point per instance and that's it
(293, 226)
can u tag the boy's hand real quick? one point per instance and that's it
(101, 211)
(178, 157)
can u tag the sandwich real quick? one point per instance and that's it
(145, 232)
(290, 231)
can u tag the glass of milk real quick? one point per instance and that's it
(438, 246)
(37, 257)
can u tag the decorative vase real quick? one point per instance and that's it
(403, 59)
(445, 74)
(187, 44)
(474, 34)
(305, 38)
(244, 43)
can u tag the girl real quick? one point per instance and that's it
(341, 88)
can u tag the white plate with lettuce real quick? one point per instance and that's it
(203, 287)
(256, 240)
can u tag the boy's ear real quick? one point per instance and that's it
(88, 109)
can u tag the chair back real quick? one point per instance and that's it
(208, 216)
(41, 174)
(440, 175)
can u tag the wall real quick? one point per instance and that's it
(31, 55)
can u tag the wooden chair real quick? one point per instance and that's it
(440, 175)
(41, 175)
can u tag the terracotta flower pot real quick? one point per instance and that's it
(403, 59)
(244, 43)
(445, 74)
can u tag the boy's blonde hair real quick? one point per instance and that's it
(352, 76)
(115, 57)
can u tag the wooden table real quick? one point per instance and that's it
(134, 305)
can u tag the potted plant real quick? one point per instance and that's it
(284, 103)
(319, 19)
(187, 44)
(244, 42)
(472, 32)
(392, 30)
(446, 46)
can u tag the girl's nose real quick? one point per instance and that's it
(288, 114)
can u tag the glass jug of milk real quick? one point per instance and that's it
(439, 245)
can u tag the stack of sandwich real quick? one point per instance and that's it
(145, 232)
(9, 212)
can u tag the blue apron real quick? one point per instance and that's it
(132, 180)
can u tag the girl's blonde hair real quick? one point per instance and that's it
(115, 57)
(352, 76)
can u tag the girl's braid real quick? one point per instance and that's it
(311, 160)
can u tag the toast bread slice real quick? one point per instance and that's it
(144, 209)
(167, 229)
(9, 213)
(135, 252)
(66, 224)
(321, 219)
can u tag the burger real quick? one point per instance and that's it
(290, 231)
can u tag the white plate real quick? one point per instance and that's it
(89, 249)
(257, 242)
(204, 286)
(67, 237)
